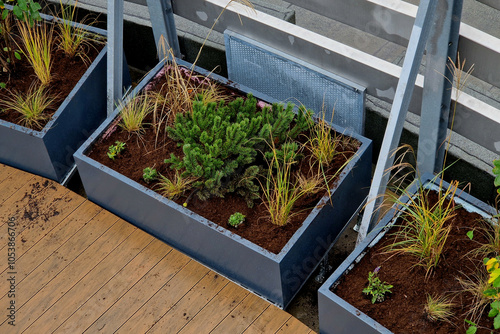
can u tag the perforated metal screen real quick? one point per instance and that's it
(289, 79)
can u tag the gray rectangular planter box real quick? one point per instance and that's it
(276, 277)
(338, 316)
(49, 152)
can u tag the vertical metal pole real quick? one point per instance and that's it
(115, 53)
(442, 44)
(162, 20)
(404, 91)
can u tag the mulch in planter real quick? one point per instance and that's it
(141, 153)
(66, 73)
(403, 309)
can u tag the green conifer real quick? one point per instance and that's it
(221, 142)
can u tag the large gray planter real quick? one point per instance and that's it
(338, 316)
(49, 152)
(276, 277)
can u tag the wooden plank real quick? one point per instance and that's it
(293, 325)
(48, 217)
(11, 184)
(5, 171)
(133, 252)
(31, 308)
(113, 296)
(176, 271)
(270, 321)
(12, 169)
(9, 187)
(181, 299)
(26, 204)
(192, 303)
(80, 268)
(60, 271)
(242, 316)
(65, 255)
(56, 237)
(52, 242)
(216, 310)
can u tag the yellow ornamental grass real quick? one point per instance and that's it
(134, 111)
(425, 231)
(36, 45)
(31, 106)
(439, 308)
(74, 39)
(176, 186)
(323, 145)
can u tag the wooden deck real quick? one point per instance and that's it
(77, 268)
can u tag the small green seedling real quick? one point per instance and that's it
(376, 288)
(149, 174)
(236, 219)
(116, 149)
(16, 53)
(472, 329)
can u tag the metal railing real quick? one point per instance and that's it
(379, 76)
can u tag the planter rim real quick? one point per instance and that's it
(429, 181)
(92, 29)
(48, 17)
(41, 133)
(80, 153)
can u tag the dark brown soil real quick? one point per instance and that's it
(66, 73)
(403, 309)
(141, 153)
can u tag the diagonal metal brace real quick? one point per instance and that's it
(436, 101)
(404, 91)
(162, 20)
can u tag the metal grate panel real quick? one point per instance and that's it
(289, 79)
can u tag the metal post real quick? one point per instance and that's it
(115, 53)
(436, 100)
(163, 23)
(404, 90)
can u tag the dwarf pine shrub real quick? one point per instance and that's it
(281, 117)
(221, 141)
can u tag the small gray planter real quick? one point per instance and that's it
(338, 316)
(49, 152)
(277, 277)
